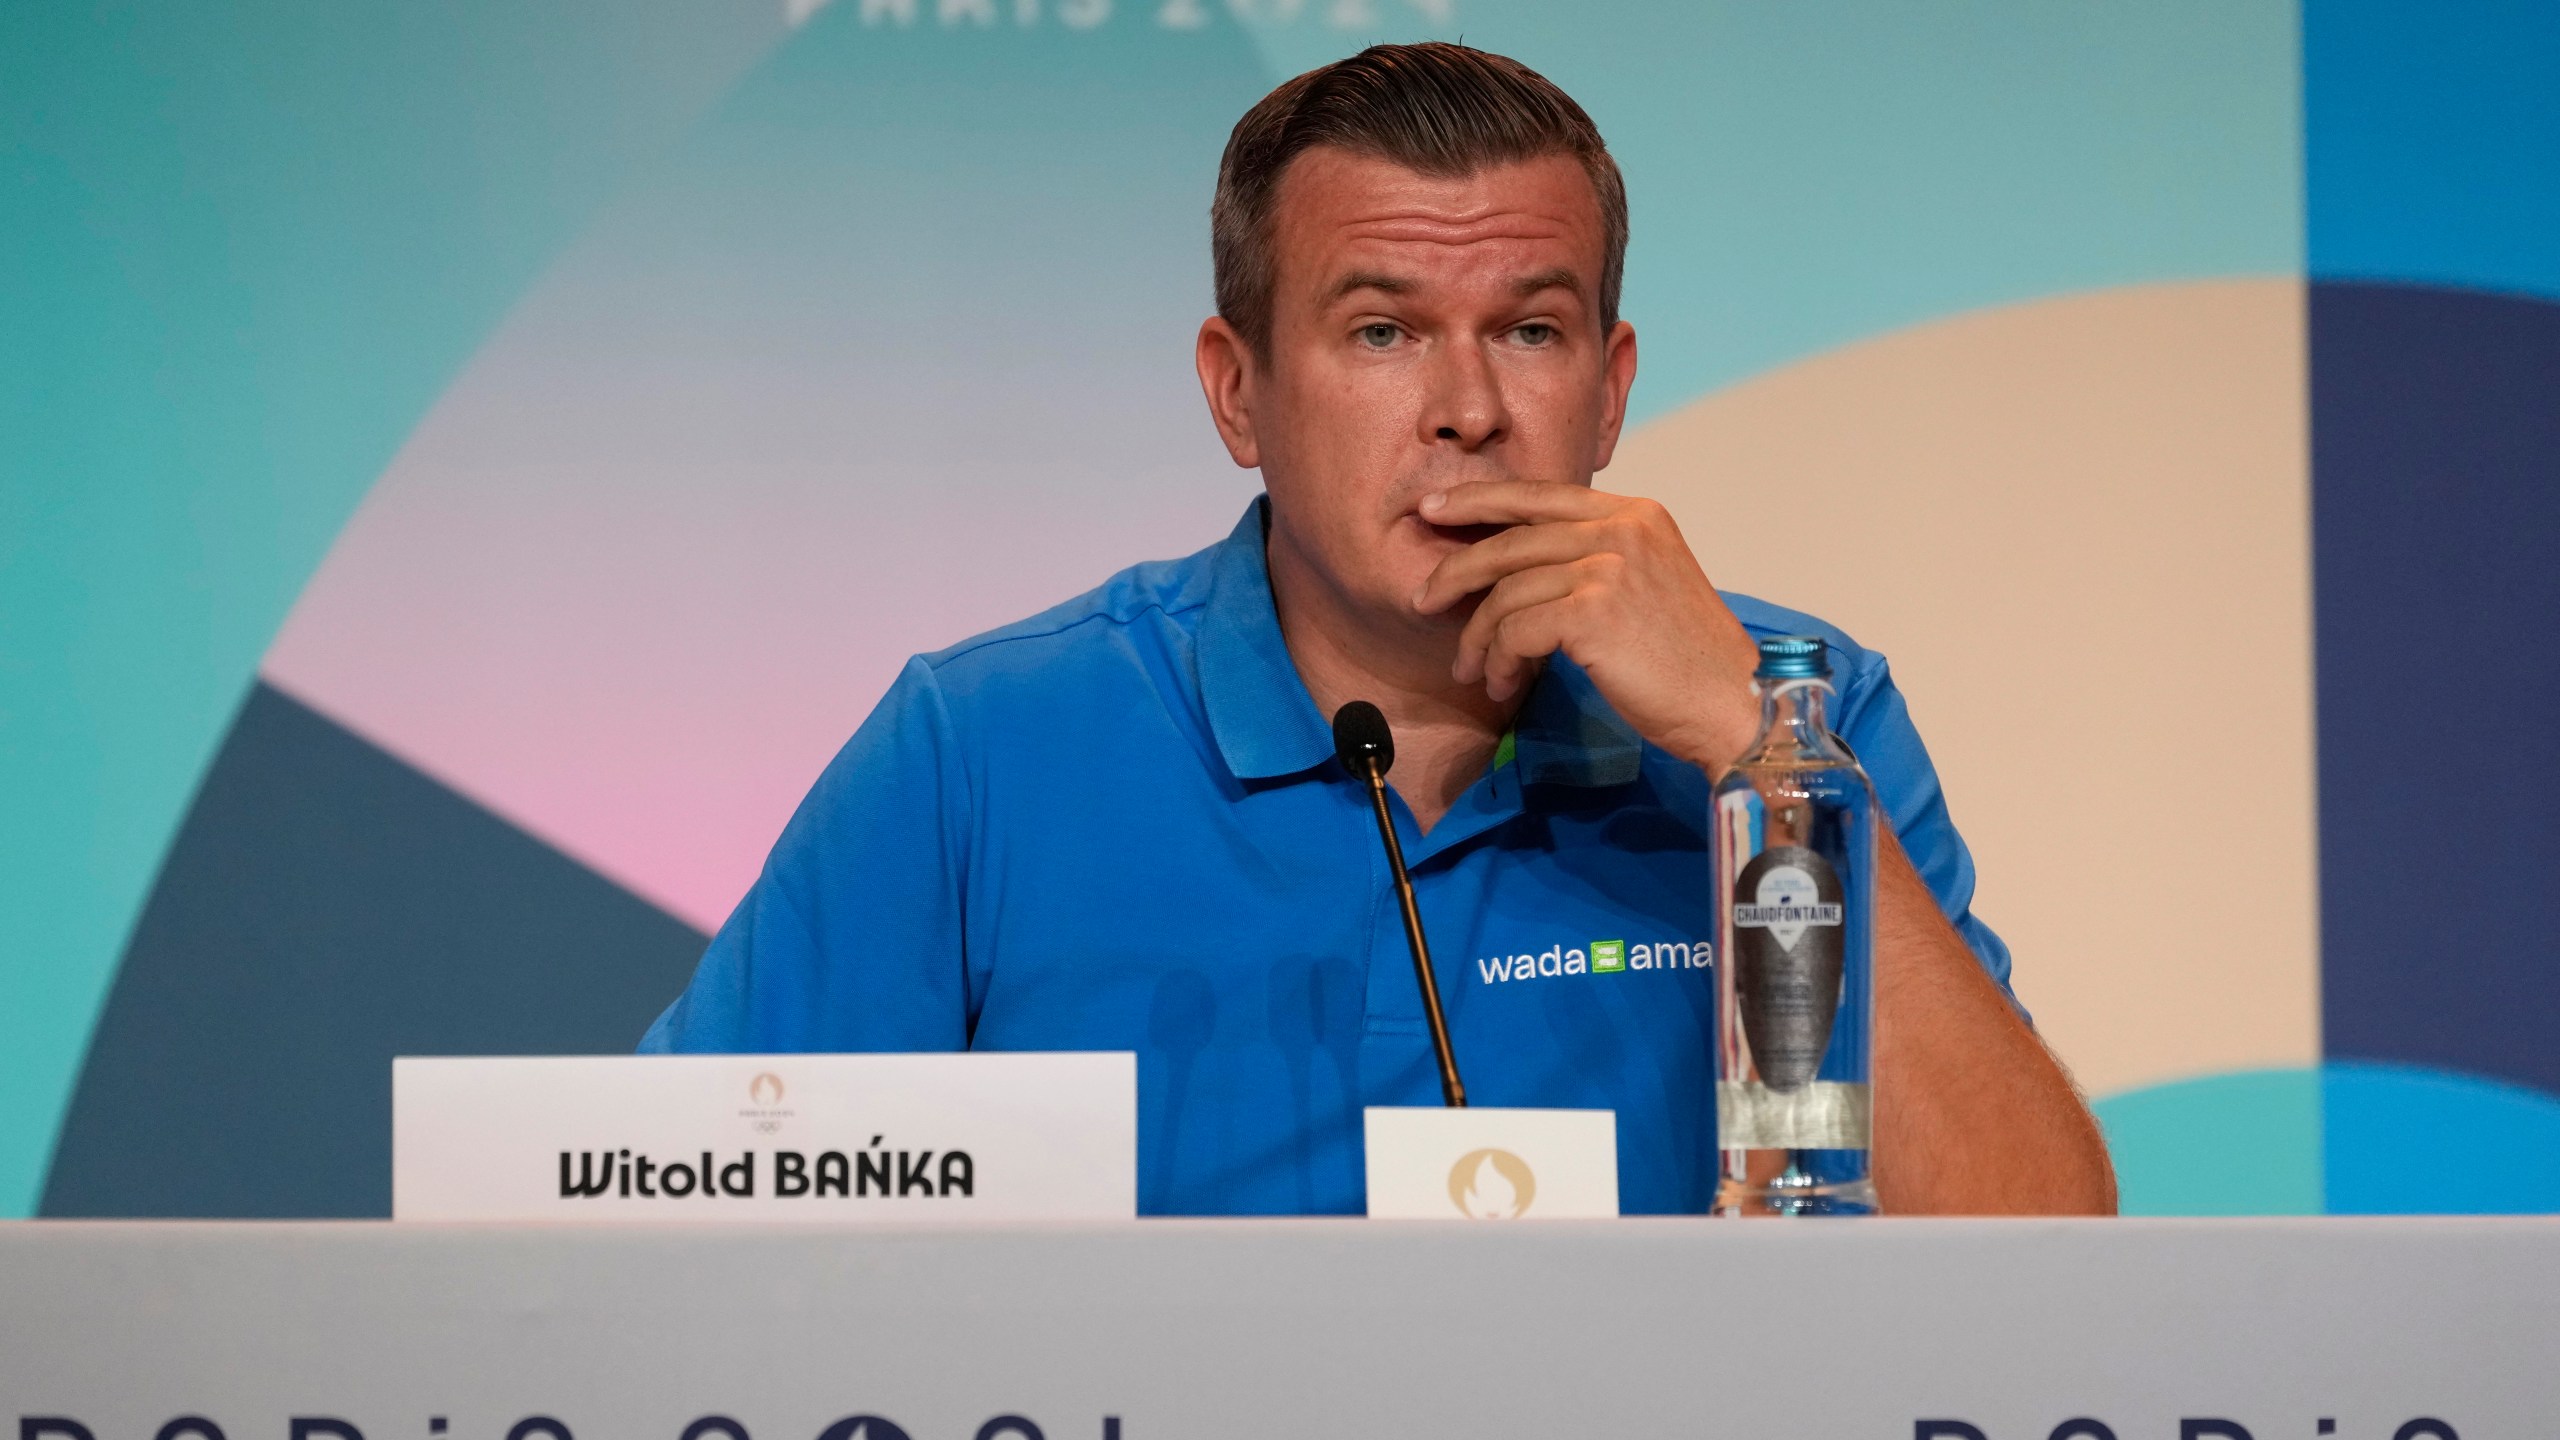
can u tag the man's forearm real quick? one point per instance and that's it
(1973, 1114)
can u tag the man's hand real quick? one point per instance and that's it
(1608, 580)
(1975, 1115)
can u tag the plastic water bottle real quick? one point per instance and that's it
(1795, 846)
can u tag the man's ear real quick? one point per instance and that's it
(1228, 372)
(1617, 376)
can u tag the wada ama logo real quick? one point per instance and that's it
(1492, 1185)
(1597, 957)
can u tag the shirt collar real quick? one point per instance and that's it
(1265, 722)
(1267, 726)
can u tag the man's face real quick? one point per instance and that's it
(1426, 332)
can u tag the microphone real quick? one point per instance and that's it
(1363, 744)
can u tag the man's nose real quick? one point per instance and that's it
(1465, 406)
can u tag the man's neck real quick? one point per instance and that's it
(1445, 733)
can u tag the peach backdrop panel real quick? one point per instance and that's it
(2080, 529)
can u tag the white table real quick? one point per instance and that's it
(1205, 1330)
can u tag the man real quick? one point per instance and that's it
(1119, 825)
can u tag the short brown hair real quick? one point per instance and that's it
(1435, 108)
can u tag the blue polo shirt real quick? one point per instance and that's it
(1119, 825)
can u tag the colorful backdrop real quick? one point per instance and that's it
(463, 469)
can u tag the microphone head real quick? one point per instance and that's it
(1360, 738)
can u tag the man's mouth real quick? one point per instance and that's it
(1462, 534)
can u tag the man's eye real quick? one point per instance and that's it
(1378, 336)
(1535, 334)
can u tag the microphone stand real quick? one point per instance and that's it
(1453, 1091)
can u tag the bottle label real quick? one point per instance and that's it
(1788, 942)
(1825, 1115)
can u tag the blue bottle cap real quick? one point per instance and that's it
(1794, 657)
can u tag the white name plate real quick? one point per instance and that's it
(1489, 1164)
(918, 1138)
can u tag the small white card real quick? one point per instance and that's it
(1490, 1164)
(939, 1139)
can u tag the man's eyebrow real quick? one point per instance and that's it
(1557, 279)
(1359, 280)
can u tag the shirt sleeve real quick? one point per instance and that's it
(1877, 725)
(851, 939)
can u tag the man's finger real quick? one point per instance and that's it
(1479, 644)
(1526, 637)
(1515, 502)
(1488, 560)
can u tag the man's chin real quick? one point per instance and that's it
(1443, 624)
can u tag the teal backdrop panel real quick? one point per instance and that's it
(2247, 1143)
(244, 247)
(2435, 155)
(2404, 1139)
(1808, 174)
